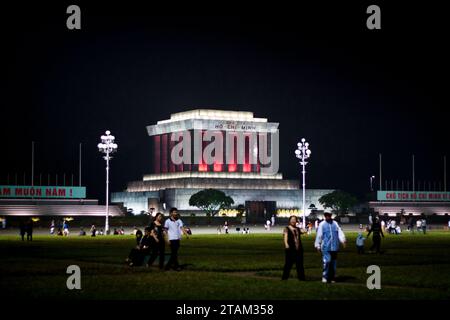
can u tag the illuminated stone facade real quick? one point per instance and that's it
(171, 185)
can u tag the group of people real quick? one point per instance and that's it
(421, 225)
(119, 231)
(63, 230)
(151, 244)
(226, 229)
(269, 223)
(329, 236)
(26, 228)
(392, 227)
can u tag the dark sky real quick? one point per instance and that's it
(317, 70)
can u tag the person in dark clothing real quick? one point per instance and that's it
(137, 254)
(29, 230)
(293, 249)
(157, 241)
(138, 234)
(377, 232)
(93, 231)
(22, 230)
(411, 224)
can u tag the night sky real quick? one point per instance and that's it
(317, 70)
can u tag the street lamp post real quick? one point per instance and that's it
(303, 153)
(371, 182)
(107, 146)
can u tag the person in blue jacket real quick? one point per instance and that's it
(328, 237)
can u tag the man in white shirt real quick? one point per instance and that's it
(175, 229)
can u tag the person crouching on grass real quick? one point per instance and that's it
(328, 236)
(137, 254)
(293, 249)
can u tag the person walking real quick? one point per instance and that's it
(377, 233)
(328, 237)
(293, 249)
(157, 243)
(175, 229)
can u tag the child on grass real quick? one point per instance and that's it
(360, 243)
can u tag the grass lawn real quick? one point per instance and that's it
(223, 267)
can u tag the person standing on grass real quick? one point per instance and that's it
(419, 225)
(175, 229)
(52, 227)
(293, 249)
(22, 230)
(29, 230)
(360, 243)
(328, 237)
(66, 228)
(309, 227)
(411, 224)
(157, 241)
(424, 225)
(377, 232)
(267, 226)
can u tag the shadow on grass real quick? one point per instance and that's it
(345, 279)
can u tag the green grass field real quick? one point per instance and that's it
(223, 267)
